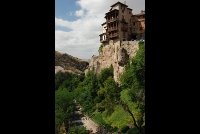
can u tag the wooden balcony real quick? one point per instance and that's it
(115, 35)
(112, 20)
(105, 40)
(112, 29)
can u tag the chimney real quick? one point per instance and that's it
(125, 2)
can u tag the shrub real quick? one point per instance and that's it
(100, 48)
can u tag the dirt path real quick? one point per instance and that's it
(84, 121)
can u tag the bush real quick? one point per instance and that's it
(78, 130)
(132, 131)
(125, 129)
(100, 48)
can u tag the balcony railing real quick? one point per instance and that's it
(112, 20)
(113, 35)
(112, 29)
(101, 40)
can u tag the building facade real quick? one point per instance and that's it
(138, 26)
(121, 25)
(103, 35)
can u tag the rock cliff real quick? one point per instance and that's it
(116, 53)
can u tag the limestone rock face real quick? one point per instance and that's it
(116, 53)
(122, 57)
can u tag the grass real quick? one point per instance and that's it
(98, 119)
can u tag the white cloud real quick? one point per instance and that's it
(83, 39)
(79, 13)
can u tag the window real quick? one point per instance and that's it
(140, 28)
(133, 23)
(122, 8)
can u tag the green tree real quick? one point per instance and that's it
(112, 95)
(60, 77)
(104, 74)
(87, 91)
(63, 106)
(133, 80)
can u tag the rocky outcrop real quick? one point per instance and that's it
(116, 53)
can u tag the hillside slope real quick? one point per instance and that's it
(69, 62)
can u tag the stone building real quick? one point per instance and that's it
(122, 25)
(138, 26)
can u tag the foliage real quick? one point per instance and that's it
(99, 119)
(86, 92)
(78, 130)
(112, 105)
(132, 131)
(133, 82)
(60, 77)
(119, 118)
(111, 95)
(105, 73)
(100, 48)
(63, 106)
(70, 81)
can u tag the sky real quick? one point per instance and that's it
(78, 24)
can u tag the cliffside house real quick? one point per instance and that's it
(138, 26)
(122, 25)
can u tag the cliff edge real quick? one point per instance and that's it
(116, 53)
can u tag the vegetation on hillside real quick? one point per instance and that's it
(109, 104)
(69, 62)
